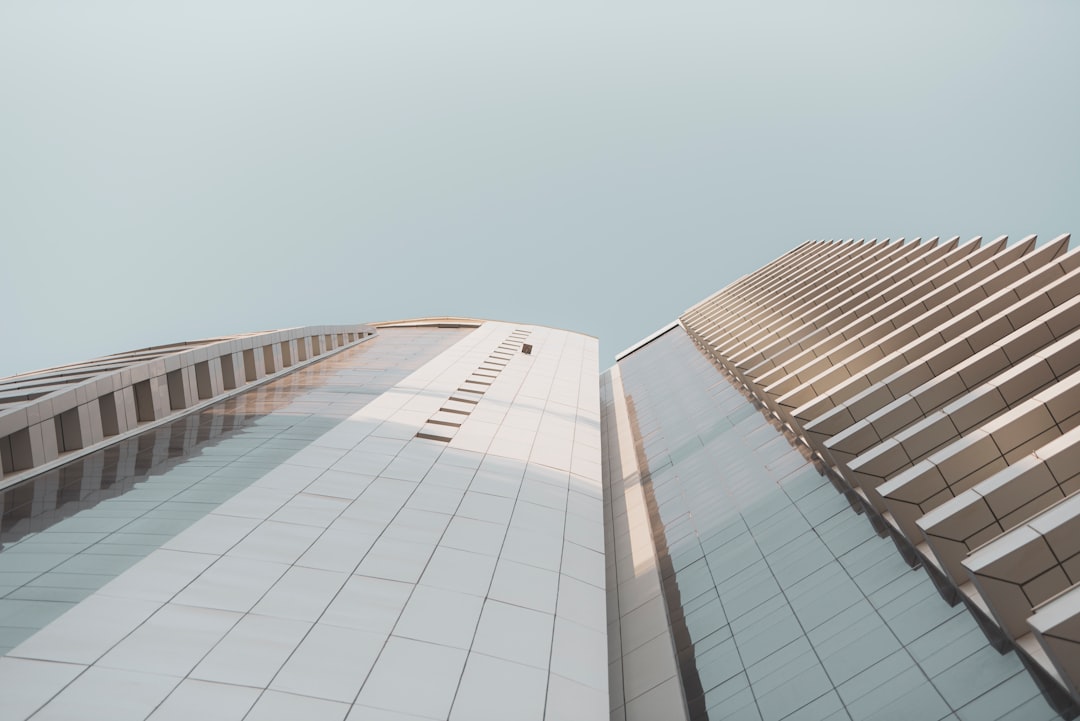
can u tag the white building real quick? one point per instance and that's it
(840, 488)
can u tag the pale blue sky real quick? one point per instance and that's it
(177, 170)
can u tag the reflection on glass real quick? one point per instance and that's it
(783, 602)
(67, 532)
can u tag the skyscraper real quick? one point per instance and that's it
(408, 525)
(837, 489)
(925, 386)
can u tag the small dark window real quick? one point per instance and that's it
(110, 423)
(16, 452)
(202, 380)
(144, 401)
(249, 366)
(175, 382)
(228, 374)
(68, 431)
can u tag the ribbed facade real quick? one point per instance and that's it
(935, 382)
(450, 518)
(52, 416)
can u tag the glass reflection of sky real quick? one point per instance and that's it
(66, 533)
(786, 604)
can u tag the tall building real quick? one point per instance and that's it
(927, 387)
(840, 488)
(381, 524)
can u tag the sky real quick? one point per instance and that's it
(179, 170)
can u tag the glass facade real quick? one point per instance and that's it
(783, 602)
(68, 532)
(324, 557)
(471, 523)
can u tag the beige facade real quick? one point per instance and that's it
(936, 381)
(55, 415)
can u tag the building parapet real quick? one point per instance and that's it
(55, 415)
